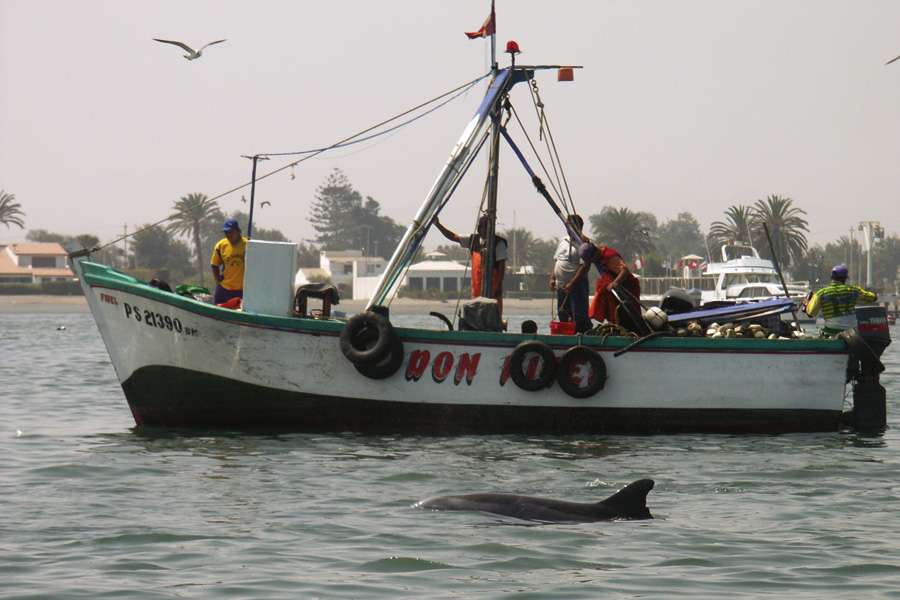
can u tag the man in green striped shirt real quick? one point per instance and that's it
(837, 302)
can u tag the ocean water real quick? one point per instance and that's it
(90, 509)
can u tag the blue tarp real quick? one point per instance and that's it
(723, 314)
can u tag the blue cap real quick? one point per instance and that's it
(840, 272)
(230, 224)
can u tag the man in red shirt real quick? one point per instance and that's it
(613, 273)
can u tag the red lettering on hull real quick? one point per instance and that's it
(504, 372)
(418, 362)
(443, 364)
(466, 367)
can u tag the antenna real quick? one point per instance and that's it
(493, 38)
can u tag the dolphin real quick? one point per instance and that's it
(628, 503)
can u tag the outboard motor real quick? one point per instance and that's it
(872, 324)
(866, 344)
(677, 300)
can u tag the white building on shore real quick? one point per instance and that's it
(442, 275)
(34, 263)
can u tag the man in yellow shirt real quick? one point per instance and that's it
(227, 263)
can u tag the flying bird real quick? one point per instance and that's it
(892, 60)
(191, 53)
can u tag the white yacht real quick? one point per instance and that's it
(743, 275)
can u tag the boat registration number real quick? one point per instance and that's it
(155, 319)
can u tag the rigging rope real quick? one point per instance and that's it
(538, 156)
(457, 91)
(549, 141)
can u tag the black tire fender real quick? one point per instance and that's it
(388, 365)
(366, 338)
(517, 360)
(566, 379)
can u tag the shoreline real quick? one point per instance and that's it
(44, 304)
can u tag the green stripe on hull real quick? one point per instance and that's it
(98, 275)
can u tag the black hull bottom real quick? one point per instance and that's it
(178, 398)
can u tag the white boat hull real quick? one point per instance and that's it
(186, 364)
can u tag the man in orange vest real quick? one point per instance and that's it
(475, 244)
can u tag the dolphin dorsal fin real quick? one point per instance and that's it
(631, 499)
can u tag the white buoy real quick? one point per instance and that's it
(656, 318)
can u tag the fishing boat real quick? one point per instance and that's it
(184, 363)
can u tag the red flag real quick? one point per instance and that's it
(488, 28)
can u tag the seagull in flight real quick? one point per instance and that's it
(191, 53)
(892, 60)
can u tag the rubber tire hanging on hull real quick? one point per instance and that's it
(367, 338)
(598, 368)
(517, 360)
(388, 365)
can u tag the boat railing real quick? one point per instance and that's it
(656, 286)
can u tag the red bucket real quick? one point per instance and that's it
(562, 328)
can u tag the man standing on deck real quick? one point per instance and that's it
(227, 263)
(837, 302)
(475, 244)
(571, 306)
(613, 273)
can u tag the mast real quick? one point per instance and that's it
(488, 250)
(441, 189)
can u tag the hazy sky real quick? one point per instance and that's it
(682, 106)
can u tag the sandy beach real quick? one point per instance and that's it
(42, 304)
(406, 306)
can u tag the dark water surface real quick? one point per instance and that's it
(91, 510)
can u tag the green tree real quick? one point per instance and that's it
(629, 232)
(307, 255)
(10, 210)
(192, 212)
(886, 263)
(44, 236)
(86, 240)
(259, 233)
(787, 226)
(737, 226)
(344, 220)
(520, 244)
(524, 248)
(454, 252)
(812, 267)
(154, 248)
(679, 237)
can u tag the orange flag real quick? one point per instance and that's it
(488, 28)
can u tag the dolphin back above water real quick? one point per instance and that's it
(628, 503)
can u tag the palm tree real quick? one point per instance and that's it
(10, 210)
(627, 231)
(738, 225)
(193, 212)
(786, 225)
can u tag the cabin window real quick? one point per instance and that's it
(348, 269)
(450, 284)
(415, 283)
(432, 283)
